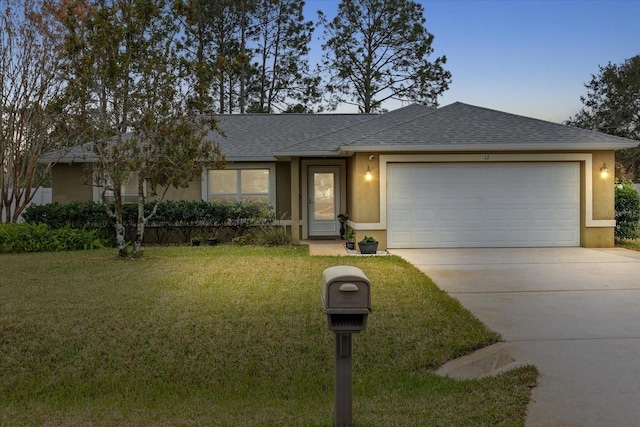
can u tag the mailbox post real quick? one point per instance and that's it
(346, 299)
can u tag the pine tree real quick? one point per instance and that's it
(377, 50)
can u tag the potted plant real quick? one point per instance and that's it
(213, 239)
(368, 245)
(195, 241)
(350, 235)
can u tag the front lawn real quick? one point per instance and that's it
(231, 336)
(629, 244)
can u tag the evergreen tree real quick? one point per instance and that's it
(377, 50)
(283, 75)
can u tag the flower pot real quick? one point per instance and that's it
(195, 243)
(213, 242)
(368, 247)
(350, 245)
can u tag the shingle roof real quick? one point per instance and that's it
(332, 141)
(461, 126)
(259, 136)
(251, 137)
(455, 127)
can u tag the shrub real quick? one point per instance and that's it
(19, 238)
(627, 206)
(242, 240)
(74, 214)
(179, 218)
(273, 236)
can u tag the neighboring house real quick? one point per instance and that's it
(456, 176)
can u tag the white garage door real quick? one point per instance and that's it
(445, 205)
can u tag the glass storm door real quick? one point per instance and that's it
(324, 200)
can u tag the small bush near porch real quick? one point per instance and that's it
(230, 336)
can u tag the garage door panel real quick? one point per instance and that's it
(483, 205)
(566, 214)
(401, 194)
(401, 216)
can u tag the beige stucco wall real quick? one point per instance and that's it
(364, 196)
(283, 190)
(603, 202)
(192, 192)
(363, 203)
(70, 182)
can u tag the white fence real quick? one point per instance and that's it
(42, 197)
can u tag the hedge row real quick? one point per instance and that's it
(173, 219)
(627, 210)
(19, 238)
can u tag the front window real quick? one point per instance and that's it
(128, 190)
(231, 185)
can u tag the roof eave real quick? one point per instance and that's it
(488, 147)
(67, 160)
(301, 153)
(239, 159)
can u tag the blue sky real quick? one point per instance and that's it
(528, 57)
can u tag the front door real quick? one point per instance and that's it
(324, 200)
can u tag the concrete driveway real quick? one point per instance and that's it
(572, 312)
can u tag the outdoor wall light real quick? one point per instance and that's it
(368, 176)
(603, 171)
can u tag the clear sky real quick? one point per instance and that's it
(528, 57)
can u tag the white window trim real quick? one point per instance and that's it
(206, 190)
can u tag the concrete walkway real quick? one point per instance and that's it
(572, 312)
(325, 247)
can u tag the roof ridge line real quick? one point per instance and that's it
(429, 111)
(372, 117)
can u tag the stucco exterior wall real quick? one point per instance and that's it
(283, 190)
(364, 197)
(192, 192)
(603, 203)
(70, 182)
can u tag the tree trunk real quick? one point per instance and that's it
(243, 74)
(141, 221)
(121, 241)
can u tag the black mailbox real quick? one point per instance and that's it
(346, 298)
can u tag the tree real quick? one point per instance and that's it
(247, 55)
(283, 74)
(377, 50)
(124, 75)
(214, 37)
(612, 105)
(29, 108)
(196, 17)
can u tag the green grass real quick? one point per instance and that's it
(231, 336)
(629, 244)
